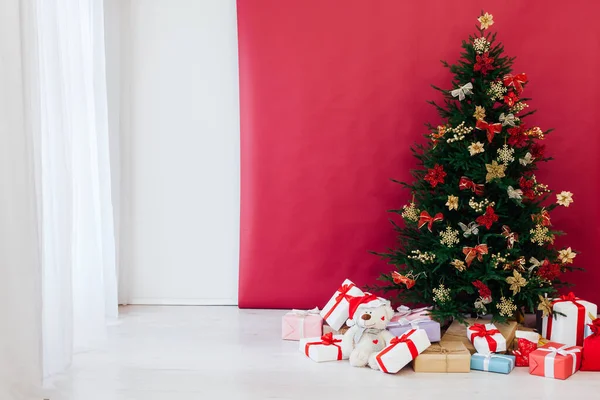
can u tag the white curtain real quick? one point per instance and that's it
(78, 238)
(20, 295)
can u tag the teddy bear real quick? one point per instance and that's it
(367, 335)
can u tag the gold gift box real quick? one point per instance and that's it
(457, 332)
(444, 357)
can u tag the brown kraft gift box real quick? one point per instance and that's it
(444, 357)
(457, 332)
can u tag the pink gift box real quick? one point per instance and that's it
(299, 324)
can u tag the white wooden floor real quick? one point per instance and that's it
(197, 353)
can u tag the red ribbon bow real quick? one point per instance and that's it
(479, 330)
(472, 252)
(465, 184)
(595, 327)
(393, 343)
(580, 317)
(327, 340)
(516, 81)
(426, 219)
(343, 294)
(401, 279)
(511, 237)
(491, 129)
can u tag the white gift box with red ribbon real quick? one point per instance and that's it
(325, 348)
(569, 328)
(402, 350)
(486, 338)
(337, 309)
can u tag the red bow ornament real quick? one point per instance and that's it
(465, 184)
(474, 252)
(511, 237)
(426, 219)
(491, 129)
(515, 81)
(480, 330)
(401, 279)
(542, 218)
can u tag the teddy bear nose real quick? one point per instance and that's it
(366, 317)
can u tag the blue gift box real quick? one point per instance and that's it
(500, 363)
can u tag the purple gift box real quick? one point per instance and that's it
(433, 329)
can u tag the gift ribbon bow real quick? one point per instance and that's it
(404, 310)
(414, 323)
(342, 294)
(580, 317)
(552, 352)
(508, 119)
(326, 340)
(465, 184)
(487, 358)
(595, 325)
(511, 237)
(302, 314)
(462, 91)
(474, 252)
(393, 343)
(479, 330)
(491, 129)
(426, 219)
(516, 81)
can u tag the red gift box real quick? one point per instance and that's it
(526, 347)
(555, 360)
(591, 348)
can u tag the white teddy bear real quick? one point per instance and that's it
(369, 316)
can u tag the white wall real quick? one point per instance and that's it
(179, 152)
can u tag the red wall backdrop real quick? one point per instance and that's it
(333, 94)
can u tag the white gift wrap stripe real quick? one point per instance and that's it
(340, 314)
(549, 359)
(564, 328)
(302, 320)
(488, 358)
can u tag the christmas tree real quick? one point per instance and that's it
(477, 236)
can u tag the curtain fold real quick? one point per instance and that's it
(20, 272)
(78, 239)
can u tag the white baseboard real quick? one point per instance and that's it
(182, 302)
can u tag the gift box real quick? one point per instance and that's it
(336, 311)
(401, 326)
(527, 342)
(402, 350)
(555, 360)
(499, 363)
(324, 348)
(569, 328)
(410, 314)
(298, 324)
(328, 329)
(457, 332)
(444, 357)
(591, 348)
(486, 338)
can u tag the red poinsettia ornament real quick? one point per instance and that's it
(435, 175)
(526, 186)
(483, 290)
(484, 63)
(510, 99)
(548, 270)
(488, 218)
